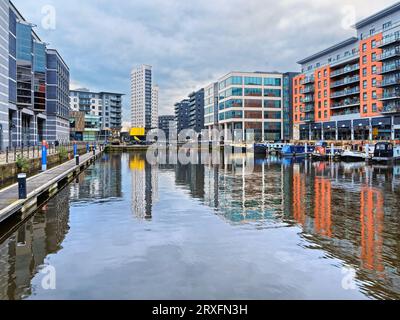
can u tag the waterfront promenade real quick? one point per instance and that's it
(39, 184)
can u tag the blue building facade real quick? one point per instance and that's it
(57, 102)
(182, 115)
(23, 105)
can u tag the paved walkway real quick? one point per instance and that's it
(9, 202)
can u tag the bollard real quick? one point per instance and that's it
(22, 186)
(77, 159)
(75, 149)
(44, 157)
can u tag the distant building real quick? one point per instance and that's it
(84, 127)
(182, 115)
(211, 106)
(107, 106)
(57, 103)
(196, 110)
(165, 123)
(144, 98)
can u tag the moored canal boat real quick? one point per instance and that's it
(386, 152)
(297, 151)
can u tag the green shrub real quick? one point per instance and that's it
(22, 164)
(63, 154)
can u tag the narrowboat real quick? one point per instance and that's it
(296, 151)
(386, 152)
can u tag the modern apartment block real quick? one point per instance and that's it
(58, 108)
(248, 101)
(144, 98)
(196, 110)
(351, 91)
(106, 106)
(211, 106)
(165, 123)
(182, 115)
(23, 80)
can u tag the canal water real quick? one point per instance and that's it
(291, 229)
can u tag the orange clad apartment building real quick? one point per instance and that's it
(351, 91)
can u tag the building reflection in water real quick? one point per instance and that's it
(340, 207)
(101, 182)
(26, 250)
(144, 185)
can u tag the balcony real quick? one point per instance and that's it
(390, 95)
(308, 80)
(389, 81)
(388, 40)
(308, 99)
(346, 103)
(389, 54)
(346, 92)
(345, 59)
(391, 67)
(345, 81)
(392, 107)
(309, 118)
(345, 70)
(307, 89)
(308, 109)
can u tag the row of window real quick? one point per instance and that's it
(250, 92)
(250, 81)
(238, 103)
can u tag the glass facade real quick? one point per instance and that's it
(273, 82)
(24, 42)
(253, 81)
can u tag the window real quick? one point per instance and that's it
(364, 59)
(365, 96)
(374, 82)
(253, 92)
(364, 47)
(373, 57)
(275, 82)
(325, 73)
(373, 44)
(272, 104)
(365, 109)
(373, 69)
(253, 81)
(374, 107)
(374, 95)
(372, 31)
(365, 84)
(387, 25)
(272, 93)
(364, 72)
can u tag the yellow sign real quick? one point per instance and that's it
(375, 132)
(139, 132)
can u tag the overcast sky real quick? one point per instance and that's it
(189, 43)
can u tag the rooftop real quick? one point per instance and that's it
(379, 15)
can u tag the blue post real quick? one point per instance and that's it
(87, 148)
(75, 149)
(44, 157)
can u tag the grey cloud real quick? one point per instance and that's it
(189, 43)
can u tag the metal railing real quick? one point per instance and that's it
(11, 154)
(346, 69)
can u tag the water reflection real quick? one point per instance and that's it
(349, 211)
(22, 254)
(144, 186)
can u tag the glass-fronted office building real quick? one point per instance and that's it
(23, 102)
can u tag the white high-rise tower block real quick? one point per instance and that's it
(144, 98)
